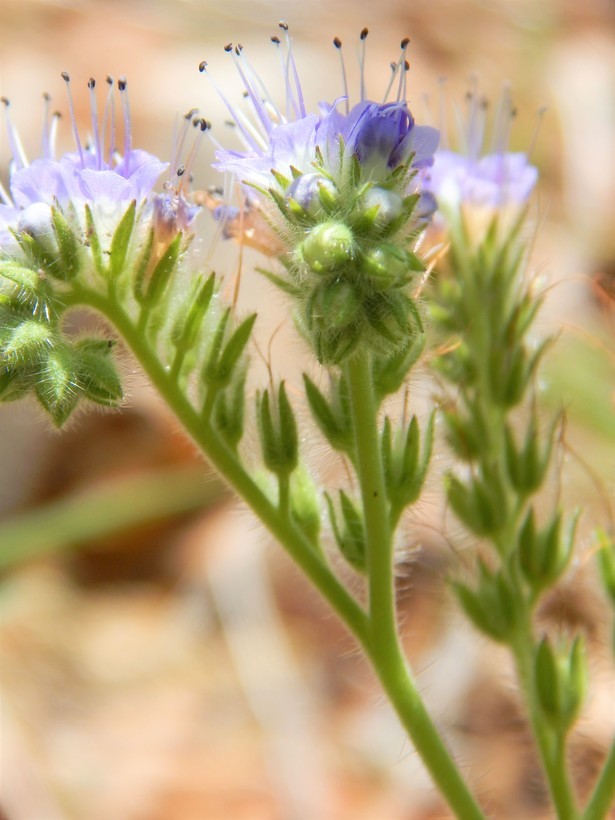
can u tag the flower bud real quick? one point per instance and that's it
(385, 206)
(307, 189)
(328, 246)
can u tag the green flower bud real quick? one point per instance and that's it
(380, 206)
(561, 682)
(328, 246)
(336, 303)
(386, 265)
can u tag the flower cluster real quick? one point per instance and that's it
(481, 185)
(95, 177)
(341, 188)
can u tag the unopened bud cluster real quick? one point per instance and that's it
(351, 257)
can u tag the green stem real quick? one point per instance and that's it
(382, 646)
(551, 747)
(603, 795)
(226, 464)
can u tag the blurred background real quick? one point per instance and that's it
(160, 658)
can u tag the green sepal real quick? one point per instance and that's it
(96, 372)
(210, 369)
(26, 342)
(56, 386)
(467, 437)
(25, 287)
(544, 555)
(229, 411)
(142, 265)
(333, 418)
(404, 472)
(561, 683)
(93, 240)
(481, 505)
(279, 439)
(223, 360)
(68, 246)
(190, 318)
(389, 372)
(15, 383)
(527, 466)
(350, 537)
(121, 241)
(492, 607)
(161, 275)
(304, 506)
(280, 282)
(37, 254)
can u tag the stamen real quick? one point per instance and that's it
(338, 45)
(178, 141)
(259, 108)
(363, 38)
(503, 119)
(73, 119)
(291, 69)
(123, 87)
(17, 150)
(396, 67)
(252, 138)
(46, 143)
(186, 170)
(109, 114)
(95, 128)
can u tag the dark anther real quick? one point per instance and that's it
(337, 42)
(406, 65)
(405, 42)
(47, 97)
(283, 25)
(275, 40)
(364, 33)
(202, 66)
(228, 47)
(181, 171)
(190, 114)
(65, 76)
(121, 83)
(91, 83)
(109, 79)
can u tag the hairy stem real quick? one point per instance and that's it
(227, 465)
(383, 646)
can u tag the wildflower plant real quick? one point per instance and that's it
(339, 199)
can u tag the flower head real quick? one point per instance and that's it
(337, 194)
(97, 177)
(296, 152)
(482, 183)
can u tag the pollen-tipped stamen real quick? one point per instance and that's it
(395, 67)
(98, 149)
(362, 48)
(73, 119)
(15, 144)
(123, 87)
(338, 45)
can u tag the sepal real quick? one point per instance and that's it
(544, 555)
(304, 506)
(404, 469)
(561, 682)
(481, 505)
(492, 607)
(350, 534)
(278, 432)
(333, 417)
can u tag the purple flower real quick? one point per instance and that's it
(96, 175)
(295, 152)
(489, 181)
